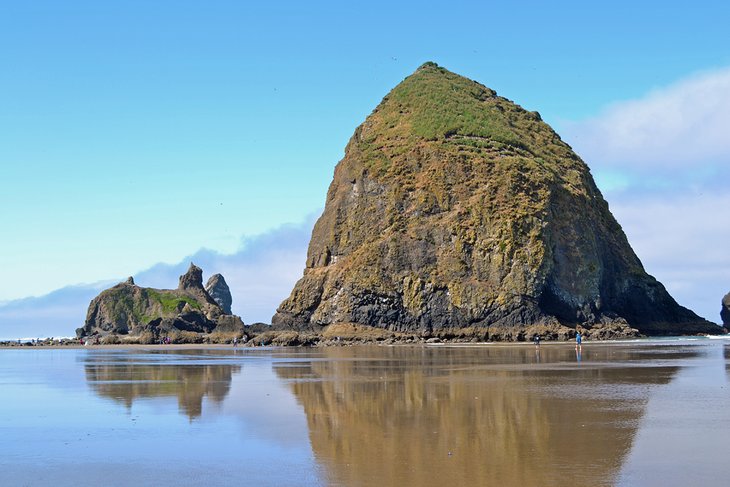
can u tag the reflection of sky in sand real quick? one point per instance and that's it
(219, 420)
(683, 438)
(235, 395)
(266, 408)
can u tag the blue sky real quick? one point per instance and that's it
(135, 133)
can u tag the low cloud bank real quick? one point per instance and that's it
(56, 314)
(260, 276)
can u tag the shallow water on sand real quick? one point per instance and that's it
(644, 413)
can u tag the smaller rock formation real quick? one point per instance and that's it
(220, 292)
(725, 311)
(128, 309)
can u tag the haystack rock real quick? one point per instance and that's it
(454, 207)
(220, 292)
(725, 311)
(128, 309)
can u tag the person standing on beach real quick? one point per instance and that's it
(578, 340)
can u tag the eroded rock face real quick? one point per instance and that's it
(220, 292)
(192, 279)
(455, 207)
(130, 309)
(725, 311)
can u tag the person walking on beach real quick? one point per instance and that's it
(578, 340)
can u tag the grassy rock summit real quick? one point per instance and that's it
(455, 208)
(128, 309)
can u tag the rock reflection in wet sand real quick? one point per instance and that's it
(472, 416)
(648, 413)
(125, 379)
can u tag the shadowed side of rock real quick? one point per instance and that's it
(725, 310)
(218, 289)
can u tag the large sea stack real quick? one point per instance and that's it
(454, 207)
(725, 310)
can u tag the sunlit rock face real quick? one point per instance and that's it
(454, 207)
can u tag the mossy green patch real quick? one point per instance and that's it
(145, 305)
(436, 105)
(172, 301)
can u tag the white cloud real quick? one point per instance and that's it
(684, 126)
(260, 275)
(682, 241)
(57, 314)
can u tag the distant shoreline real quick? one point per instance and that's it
(13, 345)
(345, 334)
(5, 345)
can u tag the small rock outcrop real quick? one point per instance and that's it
(192, 279)
(218, 289)
(128, 309)
(454, 208)
(725, 311)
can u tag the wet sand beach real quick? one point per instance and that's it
(646, 412)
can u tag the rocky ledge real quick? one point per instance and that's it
(128, 309)
(340, 334)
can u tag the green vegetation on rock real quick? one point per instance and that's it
(172, 301)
